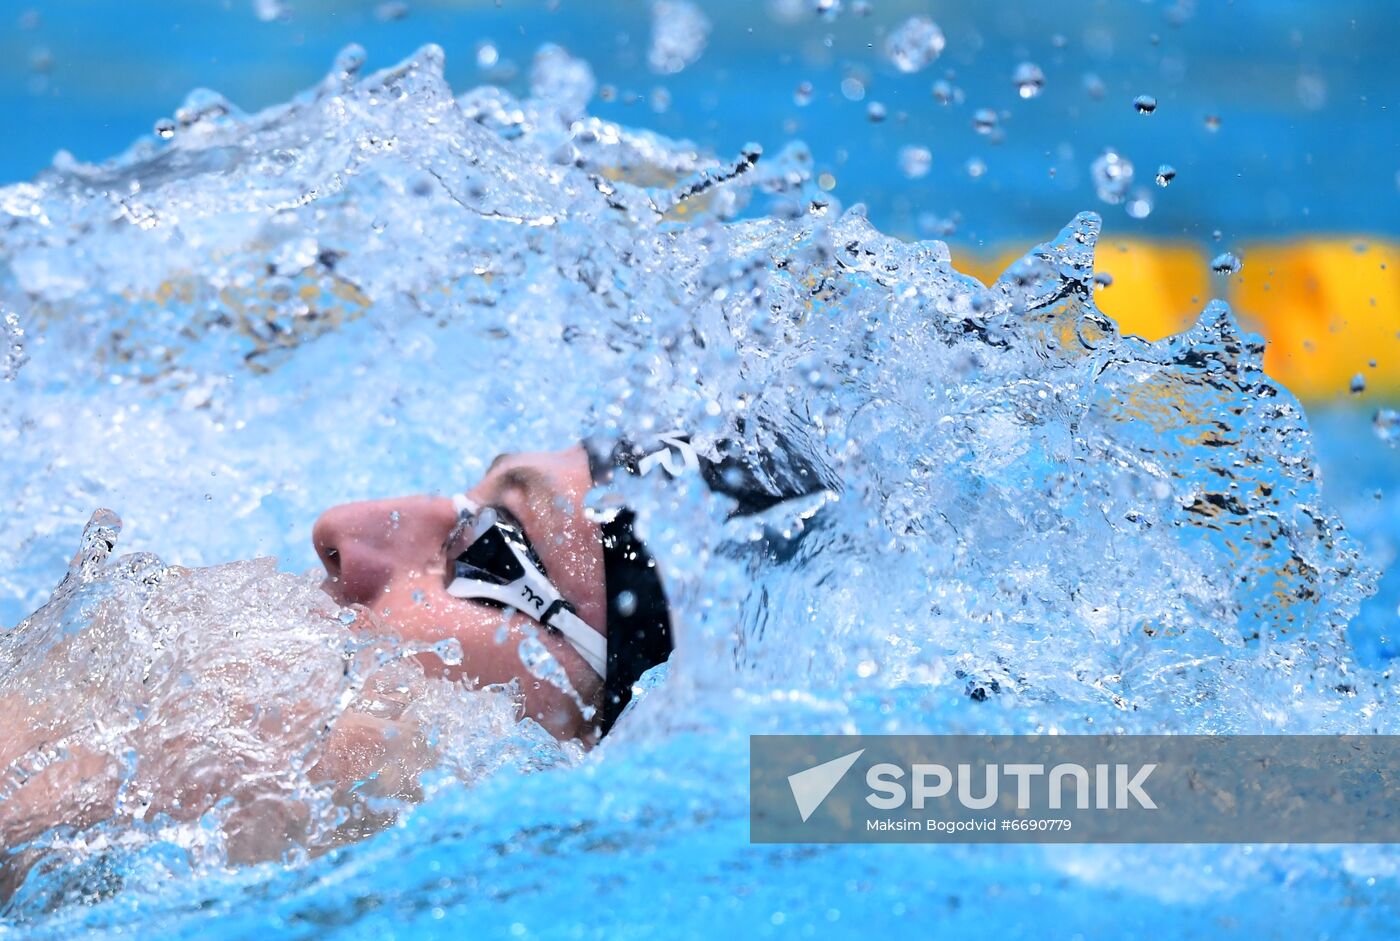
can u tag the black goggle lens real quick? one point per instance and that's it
(490, 555)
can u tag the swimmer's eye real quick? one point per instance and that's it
(488, 547)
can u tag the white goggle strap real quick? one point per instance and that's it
(675, 455)
(591, 645)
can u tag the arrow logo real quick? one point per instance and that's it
(811, 787)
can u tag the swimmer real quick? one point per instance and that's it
(513, 556)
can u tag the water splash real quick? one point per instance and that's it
(14, 347)
(374, 288)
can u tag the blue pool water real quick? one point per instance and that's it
(347, 295)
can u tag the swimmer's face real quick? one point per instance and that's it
(388, 556)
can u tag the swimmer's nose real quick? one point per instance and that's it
(365, 546)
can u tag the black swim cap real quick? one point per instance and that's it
(639, 619)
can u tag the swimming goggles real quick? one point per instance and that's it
(490, 559)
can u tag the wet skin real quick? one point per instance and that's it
(388, 555)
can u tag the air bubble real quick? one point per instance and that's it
(914, 44)
(1165, 174)
(165, 129)
(915, 162)
(1358, 384)
(1226, 263)
(1028, 79)
(876, 112)
(984, 121)
(1144, 104)
(944, 93)
(802, 97)
(1212, 123)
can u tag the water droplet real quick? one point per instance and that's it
(1358, 384)
(1165, 174)
(853, 88)
(944, 93)
(487, 56)
(1094, 86)
(976, 167)
(1212, 123)
(803, 96)
(1112, 175)
(1386, 425)
(390, 11)
(418, 596)
(1145, 104)
(1103, 279)
(271, 10)
(165, 129)
(394, 519)
(1226, 263)
(346, 617)
(875, 112)
(914, 44)
(827, 9)
(827, 182)
(1140, 205)
(449, 651)
(1029, 79)
(915, 162)
(14, 354)
(984, 120)
(679, 32)
(626, 603)
(1312, 91)
(350, 60)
